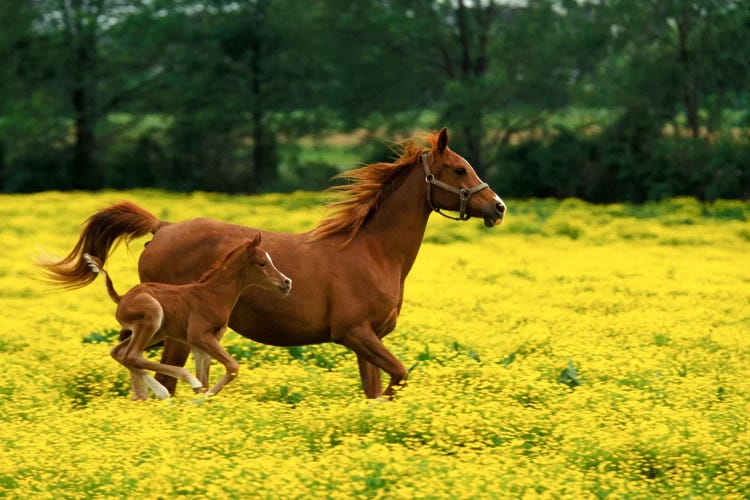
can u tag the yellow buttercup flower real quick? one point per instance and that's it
(577, 351)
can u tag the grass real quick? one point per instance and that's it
(577, 351)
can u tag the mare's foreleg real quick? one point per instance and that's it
(370, 375)
(366, 344)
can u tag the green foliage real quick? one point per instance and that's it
(107, 337)
(610, 167)
(569, 376)
(227, 96)
(91, 382)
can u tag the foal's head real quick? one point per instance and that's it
(253, 266)
(456, 186)
(260, 270)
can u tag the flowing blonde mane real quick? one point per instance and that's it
(366, 188)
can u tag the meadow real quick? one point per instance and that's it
(577, 351)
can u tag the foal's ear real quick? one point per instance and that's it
(442, 141)
(255, 241)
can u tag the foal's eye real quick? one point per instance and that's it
(460, 172)
(261, 264)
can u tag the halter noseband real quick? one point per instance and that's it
(462, 193)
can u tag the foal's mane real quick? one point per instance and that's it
(367, 186)
(219, 263)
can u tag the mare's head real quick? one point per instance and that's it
(452, 184)
(260, 270)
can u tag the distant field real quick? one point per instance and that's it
(577, 351)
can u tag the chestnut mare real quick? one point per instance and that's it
(349, 271)
(195, 314)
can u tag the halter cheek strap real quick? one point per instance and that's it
(463, 193)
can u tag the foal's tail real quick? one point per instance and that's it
(123, 220)
(96, 266)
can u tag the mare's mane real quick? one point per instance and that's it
(219, 263)
(367, 186)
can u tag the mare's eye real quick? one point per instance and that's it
(460, 172)
(261, 264)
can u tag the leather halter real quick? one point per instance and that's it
(462, 193)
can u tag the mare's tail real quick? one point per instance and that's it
(103, 229)
(96, 266)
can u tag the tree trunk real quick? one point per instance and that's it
(690, 95)
(80, 36)
(85, 171)
(473, 135)
(264, 144)
(472, 38)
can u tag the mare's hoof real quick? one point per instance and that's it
(199, 390)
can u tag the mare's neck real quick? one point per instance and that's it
(396, 229)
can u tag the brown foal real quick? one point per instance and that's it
(195, 314)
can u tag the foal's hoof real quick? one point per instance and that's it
(200, 390)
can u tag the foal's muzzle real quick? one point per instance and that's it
(286, 286)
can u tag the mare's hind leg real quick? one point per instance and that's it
(208, 342)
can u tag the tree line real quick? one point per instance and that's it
(605, 100)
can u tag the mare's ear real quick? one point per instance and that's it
(255, 241)
(442, 141)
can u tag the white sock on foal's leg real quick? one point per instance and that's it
(160, 391)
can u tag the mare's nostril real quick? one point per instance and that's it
(500, 208)
(288, 282)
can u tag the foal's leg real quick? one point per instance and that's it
(144, 329)
(138, 385)
(139, 391)
(175, 353)
(202, 364)
(129, 352)
(177, 372)
(208, 342)
(141, 381)
(366, 344)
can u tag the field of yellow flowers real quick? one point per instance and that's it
(576, 351)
